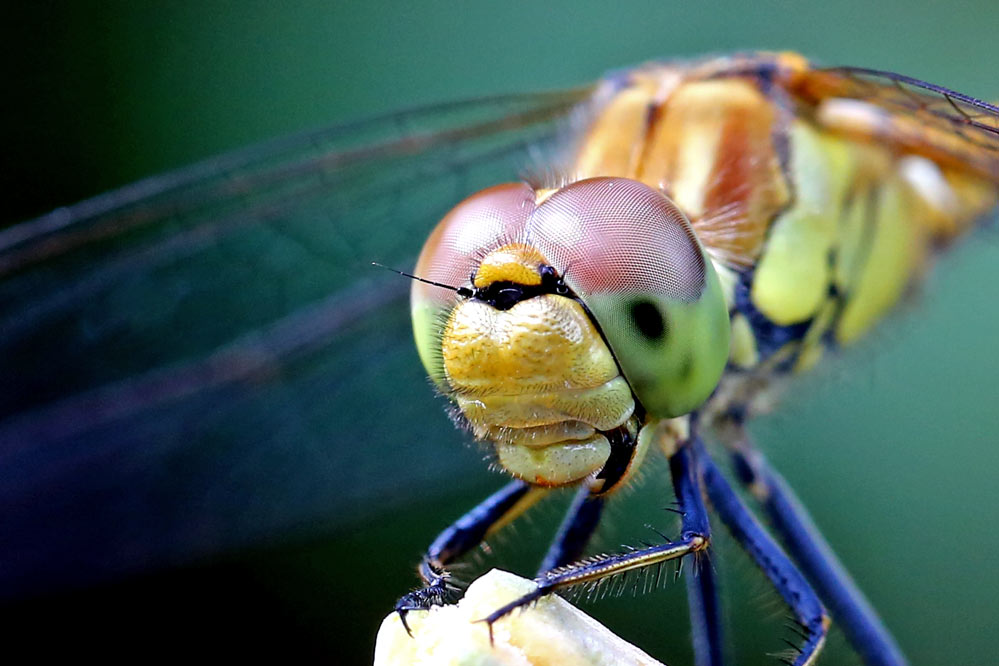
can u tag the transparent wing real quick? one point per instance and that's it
(954, 129)
(206, 359)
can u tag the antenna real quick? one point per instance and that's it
(461, 291)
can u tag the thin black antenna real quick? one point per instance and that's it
(461, 291)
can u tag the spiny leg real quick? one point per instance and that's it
(694, 537)
(580, 522)
(575, 531)
(462, 536)
(784, 576)
(702, 592)
(844, 599)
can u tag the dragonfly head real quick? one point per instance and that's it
(579, 314)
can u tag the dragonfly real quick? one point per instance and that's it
(188, 358)
(723, 224)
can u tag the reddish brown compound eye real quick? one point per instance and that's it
(480, 223)
(614, 235)
(631, 256)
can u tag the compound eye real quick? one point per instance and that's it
(452, 253)
(633, 259)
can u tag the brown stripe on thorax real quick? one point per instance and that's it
(710, 144)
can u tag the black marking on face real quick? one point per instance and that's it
(648, 320)
(504, 295)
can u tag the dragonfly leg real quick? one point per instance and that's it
(701, 583)
(844, 599)
(694, 537)
(575, 531)
(705, 612)
(783, 574)
(460, 537)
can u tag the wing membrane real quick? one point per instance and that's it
(206, 359)
(956, 130)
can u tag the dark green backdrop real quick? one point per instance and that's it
(893, 447)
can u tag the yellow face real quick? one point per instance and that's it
(536, 379)
(572, 322)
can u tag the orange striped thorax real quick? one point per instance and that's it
(816, 222)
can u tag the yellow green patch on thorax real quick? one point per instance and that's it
(820, 233)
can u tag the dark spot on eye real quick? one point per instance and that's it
(648, 320)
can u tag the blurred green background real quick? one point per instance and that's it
(892, 447)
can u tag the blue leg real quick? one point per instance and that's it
(788, 581)
(702, 592)
(575, 531)
(845, 601)
(705, 613)
(694, 536)
(462, 536)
